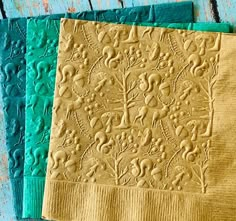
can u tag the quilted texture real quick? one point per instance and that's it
(139, 128)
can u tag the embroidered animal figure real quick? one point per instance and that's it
(147, 83)
(142, 113)
(103, 145)
(111, 58)
(160, 114)
(141, 167)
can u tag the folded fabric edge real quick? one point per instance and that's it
(162, 6)
(78, 201)
(33, 197)
(198, 26)
(17, 190)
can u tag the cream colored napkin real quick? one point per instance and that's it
(143, 125)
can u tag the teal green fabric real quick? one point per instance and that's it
(168, 13)
(200, 26)
(42, 41)
(203, 26)
(12, 73)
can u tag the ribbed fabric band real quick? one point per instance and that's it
(107, 203)
(33, 204)
(17, 189)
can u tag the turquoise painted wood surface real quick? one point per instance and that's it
(205, 10)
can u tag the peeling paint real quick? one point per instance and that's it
(18, 7)
(71, 9)
(99, 4)
(45, 5)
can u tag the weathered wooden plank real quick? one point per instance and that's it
(61, 6)
(105, 4)
(202, 11)
(19, 8)
(2, 12)
(227, 9)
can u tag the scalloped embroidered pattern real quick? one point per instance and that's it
(127, 112)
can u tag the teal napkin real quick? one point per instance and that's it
(199, 26)
(12, 74)
(168, 13)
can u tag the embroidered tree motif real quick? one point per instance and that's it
(117, 173)
(127, 100)
(210, 80)
(199, 169)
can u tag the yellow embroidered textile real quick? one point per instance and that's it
(143, 125)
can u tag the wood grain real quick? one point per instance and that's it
(19, 8)
(105, 4)
(202, 8)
